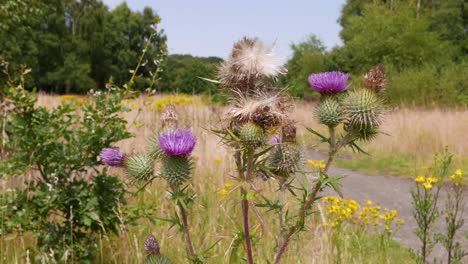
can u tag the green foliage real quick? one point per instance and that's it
(74, 46)
(67, 201)
(182, 74)
(308, 57)
(396, 37)
(429, 84)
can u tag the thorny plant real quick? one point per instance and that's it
(259, 110)
(171, 146)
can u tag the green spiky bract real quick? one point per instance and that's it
(139, 167)
(157, 259)
(329, 112)
(153, 149)
(284, 160)
(362, 134)
(251, 135)
(363, 109)
(176, 169)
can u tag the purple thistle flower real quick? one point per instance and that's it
(112, 157)
(178, 142)
(151, 246)
(329, 82)
(276, 139)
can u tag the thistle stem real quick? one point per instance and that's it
(333, 149)
(245, 221)
(245, 207)
(188, 238)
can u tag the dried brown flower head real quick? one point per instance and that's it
(170, 117)
(250, 62)
(267, 110)
(375, 78)
(288, 132)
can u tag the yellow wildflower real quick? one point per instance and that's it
(228, 185)
(368, 202)
(218, 160)
(427, 185)
(420, 178)
(223, 192)
(457, 177)
(318, 164)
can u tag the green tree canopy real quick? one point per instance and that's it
(77, 45)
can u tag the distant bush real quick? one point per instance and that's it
(429, 85)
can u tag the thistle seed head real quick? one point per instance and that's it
(266, 110)
(170, 118)
(375, 78)
(249, 62)
(288, 132)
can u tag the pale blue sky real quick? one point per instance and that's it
(209, 27)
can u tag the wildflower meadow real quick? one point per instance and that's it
(228, 160)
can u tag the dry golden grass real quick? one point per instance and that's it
(413, 131)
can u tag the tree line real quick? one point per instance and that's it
(73, 46)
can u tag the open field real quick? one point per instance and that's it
(412, 133)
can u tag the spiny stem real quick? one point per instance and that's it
(188, 238)
(333, 149)
(245, 221)
(245, 207)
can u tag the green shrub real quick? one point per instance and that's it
(68, 200)
(430, 84)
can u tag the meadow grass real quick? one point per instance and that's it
(215, 218)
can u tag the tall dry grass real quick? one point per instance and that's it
(419, 132)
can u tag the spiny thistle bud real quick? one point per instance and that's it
(139, 167)
(112, 157)
(329, 82)
(251, 135)
(284, 160)
(151, 245)
(363, 109)
(179, 142)
(153, 252)
(176, 169)
(375, 78)
(329, 112)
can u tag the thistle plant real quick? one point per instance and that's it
(153, 254)
(351, 117)
(172, 148)
(258, 109)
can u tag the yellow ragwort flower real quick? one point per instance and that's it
(420, 178)
(223, 192)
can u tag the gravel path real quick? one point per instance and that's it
(394, 193)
